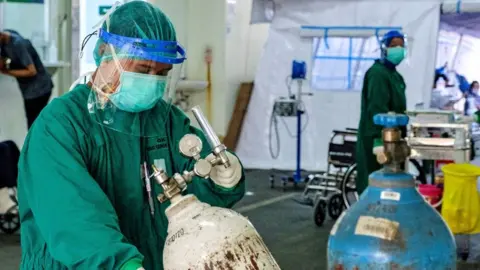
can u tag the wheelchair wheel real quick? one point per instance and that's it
(319, 213)
(10, 221)
(348, 186)
(335, 206)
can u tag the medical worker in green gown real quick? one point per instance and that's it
(83, 201)
(383, 91)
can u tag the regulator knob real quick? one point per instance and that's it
(390, 120)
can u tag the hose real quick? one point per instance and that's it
(274, 123)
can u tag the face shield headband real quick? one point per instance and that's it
(169, 52)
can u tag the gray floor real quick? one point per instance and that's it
(286, 227)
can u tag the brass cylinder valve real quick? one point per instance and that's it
(395, 148)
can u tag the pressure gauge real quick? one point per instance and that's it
(190, 145)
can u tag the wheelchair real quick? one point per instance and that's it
(9, 216)
(323, 190)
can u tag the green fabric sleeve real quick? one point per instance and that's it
(378, 97)
(133, 264)
(72, 213)
(204, 189)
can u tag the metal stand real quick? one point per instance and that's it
(297, 177)
(295, 103)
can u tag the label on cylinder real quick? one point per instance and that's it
(390, 195)
(377, 227)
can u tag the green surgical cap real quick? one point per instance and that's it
(136, 19)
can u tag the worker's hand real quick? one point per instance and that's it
(378, 150)
(226, 177)
(3, 68)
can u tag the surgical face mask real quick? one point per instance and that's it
(138, 92)
(395, 55)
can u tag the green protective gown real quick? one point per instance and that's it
(383, 91)
(83, 204)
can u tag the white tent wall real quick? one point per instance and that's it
(244, 47)
(329, 110)
(235, 55)
(460, 52)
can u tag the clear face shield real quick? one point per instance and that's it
(135, 84)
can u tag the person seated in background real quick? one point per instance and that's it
(441, 98)
(472, 103)
(18, 58)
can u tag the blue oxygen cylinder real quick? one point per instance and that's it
(391, 226)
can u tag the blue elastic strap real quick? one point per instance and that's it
(146, 49)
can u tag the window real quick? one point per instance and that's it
(340, 63)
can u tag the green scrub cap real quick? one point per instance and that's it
(135, 19)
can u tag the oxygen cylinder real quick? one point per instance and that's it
(204, 237)
(391, 226)
(201, 236)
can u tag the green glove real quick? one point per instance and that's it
(133, 264)
(377, 146)
(377, 143)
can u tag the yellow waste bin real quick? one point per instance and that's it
(461, 200)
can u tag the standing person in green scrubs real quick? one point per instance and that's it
(83, 201)
(383, 91)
